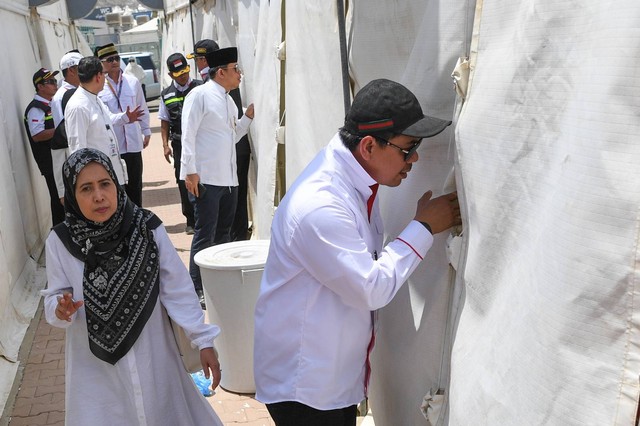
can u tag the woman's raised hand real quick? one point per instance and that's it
(67, 307)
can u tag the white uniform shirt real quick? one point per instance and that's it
(128, 92)
(89, 125)
(36, 118)
(56, 102)
(148, 386)
(59, 156)
(321, 281)
(210, 130)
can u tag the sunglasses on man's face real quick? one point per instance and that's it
(50, 81)
(111, 59)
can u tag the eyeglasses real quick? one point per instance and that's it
(236, 67)
(408, 153)
(51, 81)
(112, 59)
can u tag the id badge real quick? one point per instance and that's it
(113, 151)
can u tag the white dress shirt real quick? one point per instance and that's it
(56, 102)
(89, 125)
(321, 282)
(127, 92)
(59, 156)
(148, 385)
(210, 130)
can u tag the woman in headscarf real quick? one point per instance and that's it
(114, 279)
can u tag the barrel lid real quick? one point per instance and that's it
(235, 255)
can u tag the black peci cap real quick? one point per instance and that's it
(221, 57)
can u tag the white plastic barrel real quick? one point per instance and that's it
(231, 275)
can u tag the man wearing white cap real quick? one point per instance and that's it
(69, 67)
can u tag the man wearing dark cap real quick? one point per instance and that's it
(38, 122)
(327, 271)
(170, 115)
(199, 55)
(122, 91)
(210, 130)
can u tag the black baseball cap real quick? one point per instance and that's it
(41, 75)
(202, 47)
(177, 64)
(386, 106)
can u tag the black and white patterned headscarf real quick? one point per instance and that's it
(121, 264)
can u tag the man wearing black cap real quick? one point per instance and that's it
(170, 115)
(199, 55)
(38, 121)
(210, 130)
(122, 91)
(328, 272)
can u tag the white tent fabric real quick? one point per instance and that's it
(313, 82)
(548, 157)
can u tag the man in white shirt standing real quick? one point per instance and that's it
(327, 271)
(88, 121)
(210, 131)
(120, 92)
(69, 67)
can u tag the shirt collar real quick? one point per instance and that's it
(359, 177)
(41, 99)
(182, 88)
(66, 85)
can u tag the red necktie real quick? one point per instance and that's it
(374, 191)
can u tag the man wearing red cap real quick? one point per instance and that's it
(328, 271)
(210, 131)
(38, 121)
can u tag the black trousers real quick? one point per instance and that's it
(57, 209)
(134, 171)
(292, 413)
(187, 207)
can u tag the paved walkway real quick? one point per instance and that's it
(40, 398)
